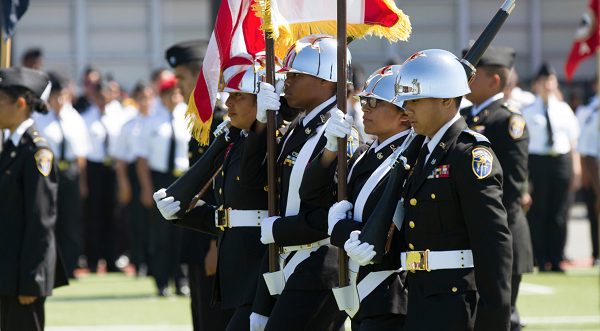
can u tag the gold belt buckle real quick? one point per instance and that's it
(107, 161)
(417, 261)
(63, 165)
(222, 218)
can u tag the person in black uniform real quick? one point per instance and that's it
(384, 308)
(459, 246)
(30, 266)
(241, 200)
(504, 126)
(308, 264)
(199, 250)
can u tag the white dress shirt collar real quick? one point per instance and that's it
(478, 108)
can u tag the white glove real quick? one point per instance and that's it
(266, 230)
(167, 206)
(337, 212)
(338, 126)
(362, 253)
(258, 322)
(266, 99)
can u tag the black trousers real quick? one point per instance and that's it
(165, 242)
(306, 310)
(138, 216)
(440, 311)
(240, 318)
(17, 317)
(589, 197)
(515, 318)
(205, 316)
(68, 220)
(389, 322)
(550, 178)
(100, 224)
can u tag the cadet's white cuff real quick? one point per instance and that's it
(266, 230)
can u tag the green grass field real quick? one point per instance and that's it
(116, 302)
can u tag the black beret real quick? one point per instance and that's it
(33, 80)
(496, 56)
(58, 80)
(187, 51)
(546, 69)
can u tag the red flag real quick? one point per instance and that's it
(237, 30)
(587, 39)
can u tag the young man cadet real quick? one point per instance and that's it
(459, 247)
(504, 126)
(308, 263)
(384, 307)
(199, 250)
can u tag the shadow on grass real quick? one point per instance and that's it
(107, 297)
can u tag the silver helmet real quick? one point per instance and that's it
(243, 73)
(315, 55)
(380, 84)
(432, 73)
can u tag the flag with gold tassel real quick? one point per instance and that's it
(294, 19)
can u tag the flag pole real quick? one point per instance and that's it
(271, 143)
(342, 166)
(5, 50)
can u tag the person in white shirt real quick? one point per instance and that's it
(128, 187)
(554, 168)
(100, 227)
(587, 146)
(66, 133)
(161, 150)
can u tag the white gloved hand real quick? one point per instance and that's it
(338, 126)
(266, 230)
(337, 212)
(266, 99)
(258, 322)
(362, 253)
(167, 206)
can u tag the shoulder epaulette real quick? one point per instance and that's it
(511, 108)
(478, 136)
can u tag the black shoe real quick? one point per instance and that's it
(164, 292)
(183, 291)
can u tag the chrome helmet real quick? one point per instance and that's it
(432, 73)
(243, 73)
(380, 84)
(315, 55)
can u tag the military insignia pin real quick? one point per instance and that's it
(516, 127)
(43, 160)
(379, 156)
(307, 130)
(482, 162)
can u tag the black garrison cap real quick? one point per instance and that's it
(185, 52)
(497, 56)
(58, 80)
(546, 69)
(33, 80)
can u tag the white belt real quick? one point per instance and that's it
(316, 244)
(231, 218)
(428, 260)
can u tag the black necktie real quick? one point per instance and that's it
(549, 132)
(172, 147)
(421, 159)
(63, 143)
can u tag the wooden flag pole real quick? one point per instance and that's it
(342, 166)
(271, 143)
(5, 50)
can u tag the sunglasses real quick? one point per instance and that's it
(369, 102)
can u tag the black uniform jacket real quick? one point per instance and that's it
(390, 296)
(240, 249)
(319, 271)
(454, 210)
(506, 130)
(29, 262)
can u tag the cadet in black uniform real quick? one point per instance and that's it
(308, 264)
(384, 307)
(199, 250)
(504, 126)
(241, 200)
(459, 246)
(30, 266)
